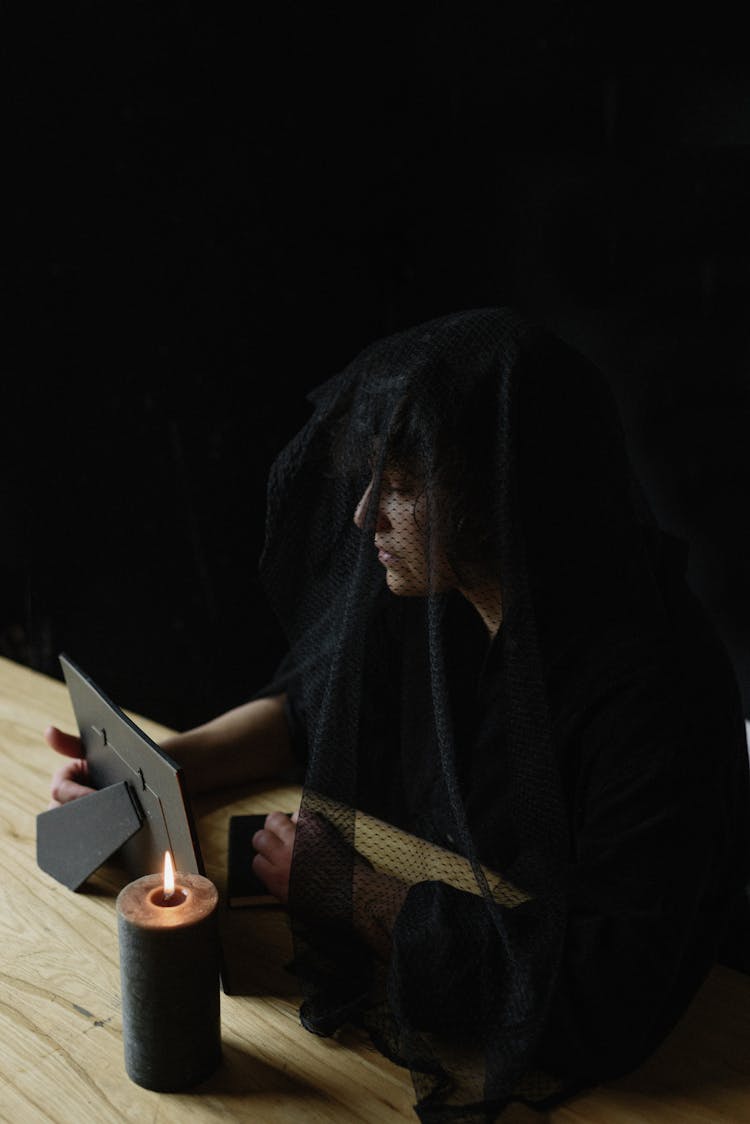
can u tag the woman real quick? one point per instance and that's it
(525, 813)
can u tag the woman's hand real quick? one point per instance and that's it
(339, 885)
(275, 844)
(68, 783)
(328, 854)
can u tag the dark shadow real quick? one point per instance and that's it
(241, 1072)
(257, 947)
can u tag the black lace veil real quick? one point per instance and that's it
(456, 523)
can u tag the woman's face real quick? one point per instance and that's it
(401, 529)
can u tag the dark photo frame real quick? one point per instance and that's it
(140, 808)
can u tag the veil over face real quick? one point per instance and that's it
(466, 571)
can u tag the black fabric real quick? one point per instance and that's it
(521, 679)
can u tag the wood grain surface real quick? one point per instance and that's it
(60, 1022)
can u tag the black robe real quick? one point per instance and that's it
(650, 741)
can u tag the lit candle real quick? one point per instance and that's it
(169, 969)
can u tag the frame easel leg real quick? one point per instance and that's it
(74, 840)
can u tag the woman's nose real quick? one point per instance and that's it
(360, 512)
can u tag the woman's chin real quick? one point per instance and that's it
(404, 585)
(398, 583)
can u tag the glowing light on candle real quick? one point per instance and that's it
(168, 876)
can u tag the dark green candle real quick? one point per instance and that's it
(169, 970)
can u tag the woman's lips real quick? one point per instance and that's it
(386, 557)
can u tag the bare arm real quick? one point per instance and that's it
(249, 743)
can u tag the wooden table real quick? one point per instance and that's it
(60, 1024)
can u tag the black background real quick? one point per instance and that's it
(213, 211)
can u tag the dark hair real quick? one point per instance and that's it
(445, 445)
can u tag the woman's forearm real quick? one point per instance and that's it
(249, 743)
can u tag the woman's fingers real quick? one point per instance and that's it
(67, 782)
(274, 844)
(280, 824)
(68, 744)
(276, 838)
(275, 878)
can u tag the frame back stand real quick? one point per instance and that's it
(74, 840)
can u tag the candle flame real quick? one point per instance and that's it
(168, 875)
